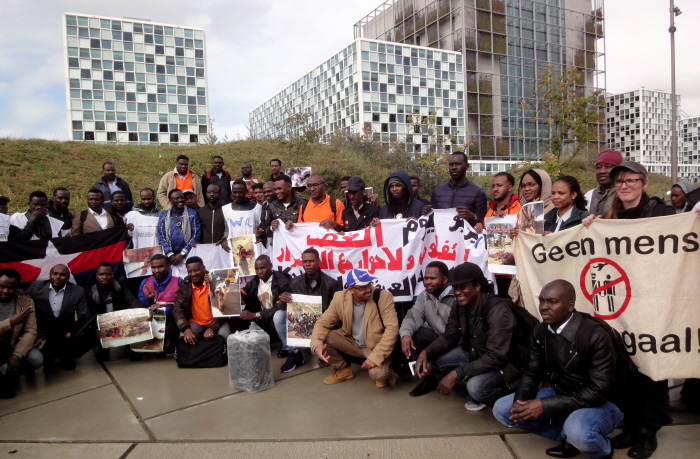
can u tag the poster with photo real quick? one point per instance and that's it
(243, 254)
(499, 244)
(137, 262)
(299, 175)
(127, 326)
(158, 329)
(302, 314)
(225, 293)
(531, 218)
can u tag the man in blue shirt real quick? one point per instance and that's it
(178, 228)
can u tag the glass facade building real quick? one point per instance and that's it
(506, 46)
(639, 126)
(399, 93)
(135, 81)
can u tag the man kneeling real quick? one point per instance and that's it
(576, 410)
(368, 330)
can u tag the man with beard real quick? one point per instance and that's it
(504, 201)
(181, 178)
(599, 199)
(191, 200)
(322, 208)
(275, 169)
(144, 217)
(110, 183)
(398, 195)
(58, 208)
(249, 179)
(211, 217)
(178, 228)
(286, 208)
(218, 176)
(158, 291)
(95, 217)
(359, 213)
(242, 217)
(313, 282)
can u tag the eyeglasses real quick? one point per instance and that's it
(629, 182)
(362, 288)
(313, 185)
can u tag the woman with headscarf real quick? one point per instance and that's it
(536, 185)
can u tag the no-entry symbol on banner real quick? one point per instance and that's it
(606, 285)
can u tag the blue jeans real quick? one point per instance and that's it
(280, 322)
(585, 428)
(484, 388)
(32, 361)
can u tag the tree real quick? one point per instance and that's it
(211, 138)
(573, 117)
(299, 131)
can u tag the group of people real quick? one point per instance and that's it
(456, 335)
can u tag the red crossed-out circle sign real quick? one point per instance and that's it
(622, 278)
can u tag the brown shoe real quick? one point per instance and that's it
(339, 376)
(390, 380)
(382, 383)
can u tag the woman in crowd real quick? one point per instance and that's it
(536, 185)
(569, 206)
(678, 192)
(645, 418)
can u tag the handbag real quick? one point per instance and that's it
(203, 354)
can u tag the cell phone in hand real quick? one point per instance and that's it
(412, 366)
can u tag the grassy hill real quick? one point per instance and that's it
(33, 164)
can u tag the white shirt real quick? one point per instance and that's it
(563, 219)
(265, 293)
(101, 218)
(562, 327)
(4, 227)
(56, 299)
(589, 198)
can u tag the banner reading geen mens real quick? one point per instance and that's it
(396, 251)
(642, 276)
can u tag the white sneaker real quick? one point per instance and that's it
(471, 405)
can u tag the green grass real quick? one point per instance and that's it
(33, 164)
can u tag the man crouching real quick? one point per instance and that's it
(358, 325)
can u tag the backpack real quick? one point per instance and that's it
(303, 208)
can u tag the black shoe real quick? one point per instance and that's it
(644, 444)
(68, 364)
(428, 384)
(135, 356)
(563, 450)
(49, 366)
(102, 355)
(6, 390)
(282, 354)
(623, 440)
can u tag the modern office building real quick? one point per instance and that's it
(135, 81)
(399, 93)
(506, 45)
(639, 126)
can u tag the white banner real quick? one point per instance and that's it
(144, 234)
(639, 275)
(395, 252)
(213, 256)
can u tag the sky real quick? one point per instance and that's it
(256, 49)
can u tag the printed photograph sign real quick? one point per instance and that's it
(500, 245)
(299, 175)
(137, 262)
(128, 326)
(225, 293)
(531, 218)
(243, 254)
(302, 314)
(158, 329)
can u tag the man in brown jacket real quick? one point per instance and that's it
(94, 218)
(17, 332)
(181, 178)
(368, 330)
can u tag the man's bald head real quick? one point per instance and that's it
(58, 276)
(557, 301)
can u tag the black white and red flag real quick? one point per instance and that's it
(82, 254)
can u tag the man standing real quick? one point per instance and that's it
(17, 332)
(242, 216)
(35, 223)
(468, 198)
(211, 217)
(312, 282)
(285, 208)
(398, 196)
(58, 209)
(258, 193)
(117, 208)
(218, 176)
(575, 409)
(261, 296)
(182, 178)
(178, 228)
(94, 218)
(249, 179)
(322, 208)
(56, 303)
(504, 201)
(144, 217)
(192, 307)
(275, 169)
(358, 324)
(4, 200)
(358, 214)
(191, 200)
(109, 183)
(109, 295)
(599, 199)
(426, 320)
(415, 185)
(475, 349)
(158, 291)
(343, 189)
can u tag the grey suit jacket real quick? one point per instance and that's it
(74, 301)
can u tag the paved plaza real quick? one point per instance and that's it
(152, 410)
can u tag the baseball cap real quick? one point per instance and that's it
(466, 272)
(630, 166)
(358, 278)
(355, 184)
(188, 191)
(613, 157)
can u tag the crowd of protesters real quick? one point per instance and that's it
(456, 335)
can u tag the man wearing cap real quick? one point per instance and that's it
(359, 213)
(599, 199)
(361, 325)
(191, 200)
(182, 178)
(475, 349)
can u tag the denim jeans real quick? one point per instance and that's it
(484, 388)
(32, 361)
(280, 322)
(585, 428)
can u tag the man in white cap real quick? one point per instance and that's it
(368, 330)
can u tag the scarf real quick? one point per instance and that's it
(185, 228)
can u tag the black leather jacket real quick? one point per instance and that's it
(578, 384)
